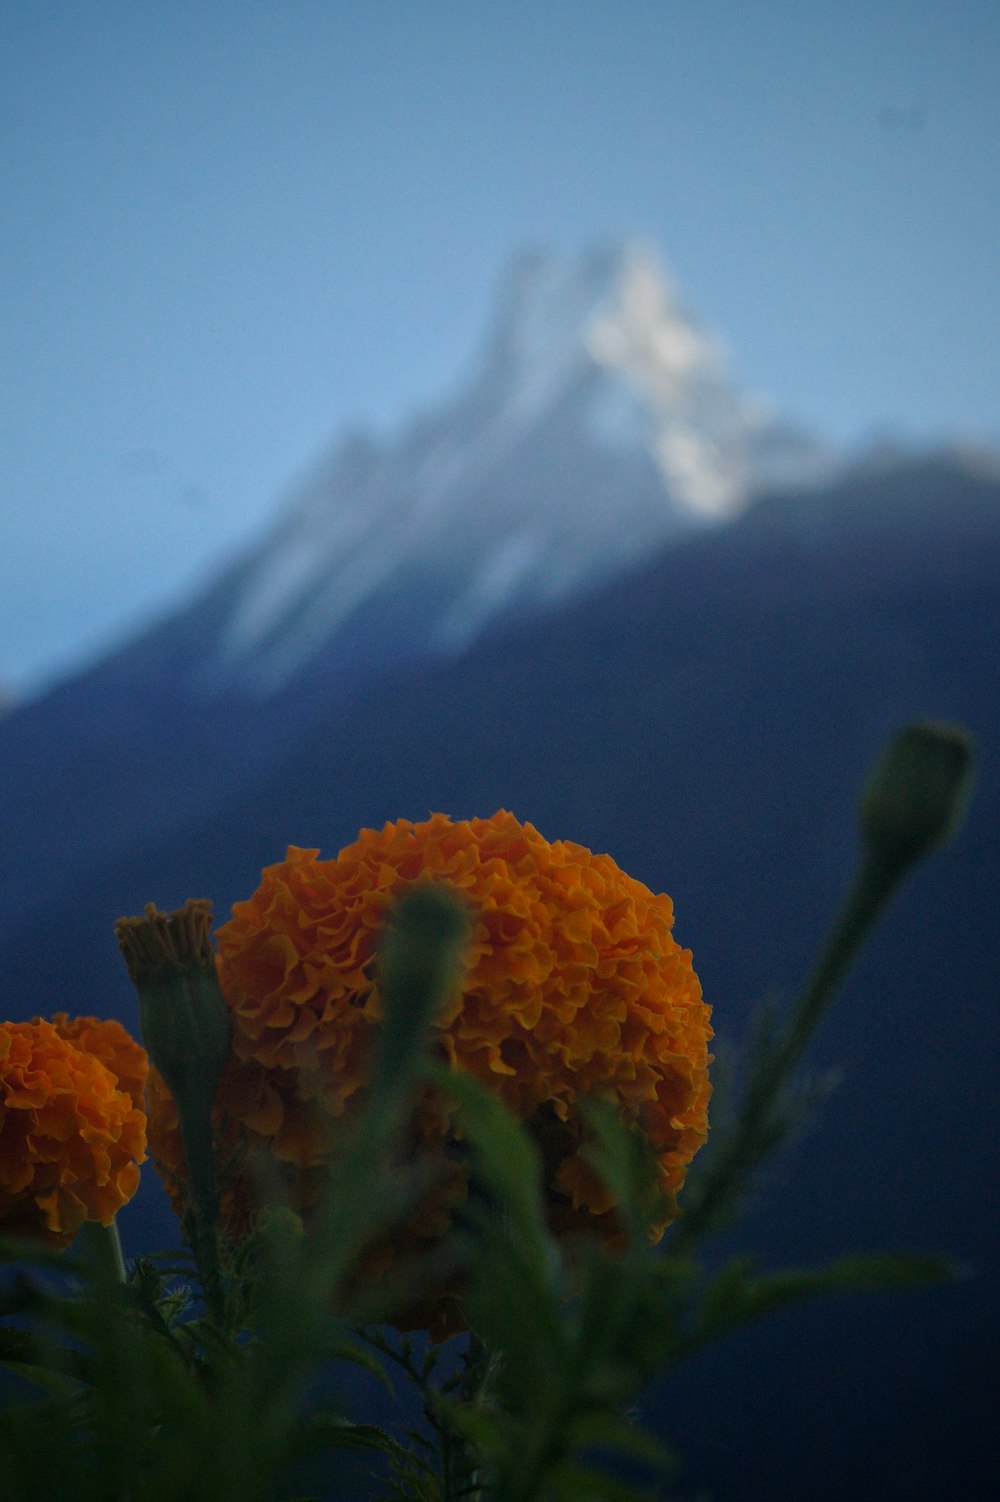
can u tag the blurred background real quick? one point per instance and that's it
(583, 408)
(231, 232)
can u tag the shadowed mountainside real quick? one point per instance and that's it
(707, 721)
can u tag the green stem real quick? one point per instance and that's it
(873, 886)
(104, 1250)
(196, 1134)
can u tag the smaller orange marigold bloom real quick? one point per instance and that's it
(574, 987)
(72, 1124)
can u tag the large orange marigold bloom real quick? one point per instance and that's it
(72, 1124)
(574, 987)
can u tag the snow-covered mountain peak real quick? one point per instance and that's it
(644, 331)
(602, 422)
(544, 310)
(615, 306)
(666, 382)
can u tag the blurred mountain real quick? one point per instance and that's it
(602, 423)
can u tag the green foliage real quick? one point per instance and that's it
(141, 1395)
(190, 1380)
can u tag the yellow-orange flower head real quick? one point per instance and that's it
(574, 987)
(72, 1125)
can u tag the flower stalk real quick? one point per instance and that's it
(102, 1245)
(186, 1029)
(914, 801)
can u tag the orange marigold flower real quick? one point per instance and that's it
(108, 1041)
(72, 1124)
(574, 987)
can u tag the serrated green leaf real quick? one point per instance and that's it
(339, 1349)
(515, 1270)
(486, 1428)
(318, 1431)
(54, 1381)
(506, 1158)
(625, 1161)
(740, 1294)
(871, 1271)
(609, 1429)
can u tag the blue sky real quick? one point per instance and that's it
(232, 231)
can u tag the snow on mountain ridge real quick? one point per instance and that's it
(544, 313)
(601, 422)
(708, 435)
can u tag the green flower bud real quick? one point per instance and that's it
(917, 794)
(187, 1032)
(185, 1022)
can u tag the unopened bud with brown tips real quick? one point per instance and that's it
(187, 1031)
(184, 1018)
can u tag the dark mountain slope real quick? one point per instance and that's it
(707, 721)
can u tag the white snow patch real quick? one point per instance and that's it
(495, 585)
(711, 485)
(646, 337)
(304, 636)
(281, 578)
(287, 570)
